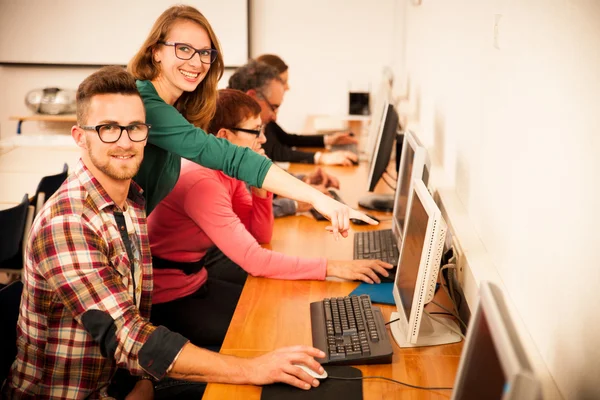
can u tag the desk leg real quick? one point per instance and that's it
(19, 126)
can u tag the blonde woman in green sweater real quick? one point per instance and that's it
(177, 69)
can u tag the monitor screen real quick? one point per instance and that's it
(494, 364)
(484, 377)
(404, 180)
(410, 258)
(413, 166)
(383, 147)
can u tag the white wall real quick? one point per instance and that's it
(330, 46)
(16, 82)
(515, 130)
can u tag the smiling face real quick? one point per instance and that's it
(177, 76)
(112, 162)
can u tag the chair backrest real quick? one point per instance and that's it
(10, 301)
(47, 186)
(12, 227)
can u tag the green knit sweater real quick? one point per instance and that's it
(172, 137)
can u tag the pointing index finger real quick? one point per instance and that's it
(362, 217)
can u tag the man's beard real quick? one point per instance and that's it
(113, 172)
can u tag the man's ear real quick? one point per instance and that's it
(78, 135)
(222, 133)
(252, 93)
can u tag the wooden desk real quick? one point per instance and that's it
(42, 118)
(275, 313)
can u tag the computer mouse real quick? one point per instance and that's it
(312, 373)
(361, 222)
(388, 279)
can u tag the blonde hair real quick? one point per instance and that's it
(199, 106)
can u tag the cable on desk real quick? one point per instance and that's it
(391, 380)
(456, 307)
(439, 320)
(392, 321)
(450, 312)
(390, 175)
(386, 181)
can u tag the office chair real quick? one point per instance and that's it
(47, 186)
(15, 224)
(10, 300)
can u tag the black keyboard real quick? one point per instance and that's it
(320, 217)
(376, 245)
(352, 147)
(350, 331)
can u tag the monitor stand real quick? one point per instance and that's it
(431, 332)
(377, 202)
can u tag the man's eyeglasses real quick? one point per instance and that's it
(184, 51)
(273, 108)
(111, 133)
(256, 132)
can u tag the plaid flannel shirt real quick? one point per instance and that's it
(78, 320)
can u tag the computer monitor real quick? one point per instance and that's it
(381, 101)
(416, 277)
(414, 164)
(379, 162)
(493, 364)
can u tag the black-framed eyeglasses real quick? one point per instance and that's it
(111, 133)
(184, 51)
(273, 108)
(255, 132)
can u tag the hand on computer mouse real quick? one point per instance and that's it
(278, 366)
(358, 270)
(312, 373)
(341, 157)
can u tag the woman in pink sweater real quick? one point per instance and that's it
(206, 208)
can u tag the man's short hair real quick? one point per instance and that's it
(274, 61)
(233, 108)
(107, 80)
(254, 75)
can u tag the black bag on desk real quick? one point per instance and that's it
(329, 388)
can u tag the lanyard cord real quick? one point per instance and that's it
(122, 226)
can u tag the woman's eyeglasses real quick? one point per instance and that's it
(256, 132)
(184, 51)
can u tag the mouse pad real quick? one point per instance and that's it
(379, 293)
(329, 388)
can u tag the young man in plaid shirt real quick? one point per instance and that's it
(88, 275)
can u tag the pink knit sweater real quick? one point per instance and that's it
(208, 208)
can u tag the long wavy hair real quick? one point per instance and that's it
(199, 106)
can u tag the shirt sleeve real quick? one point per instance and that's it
(290, 139)
(256, 213)
(278, 151)
(72, 258)
(209, 205)
(172, 132)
